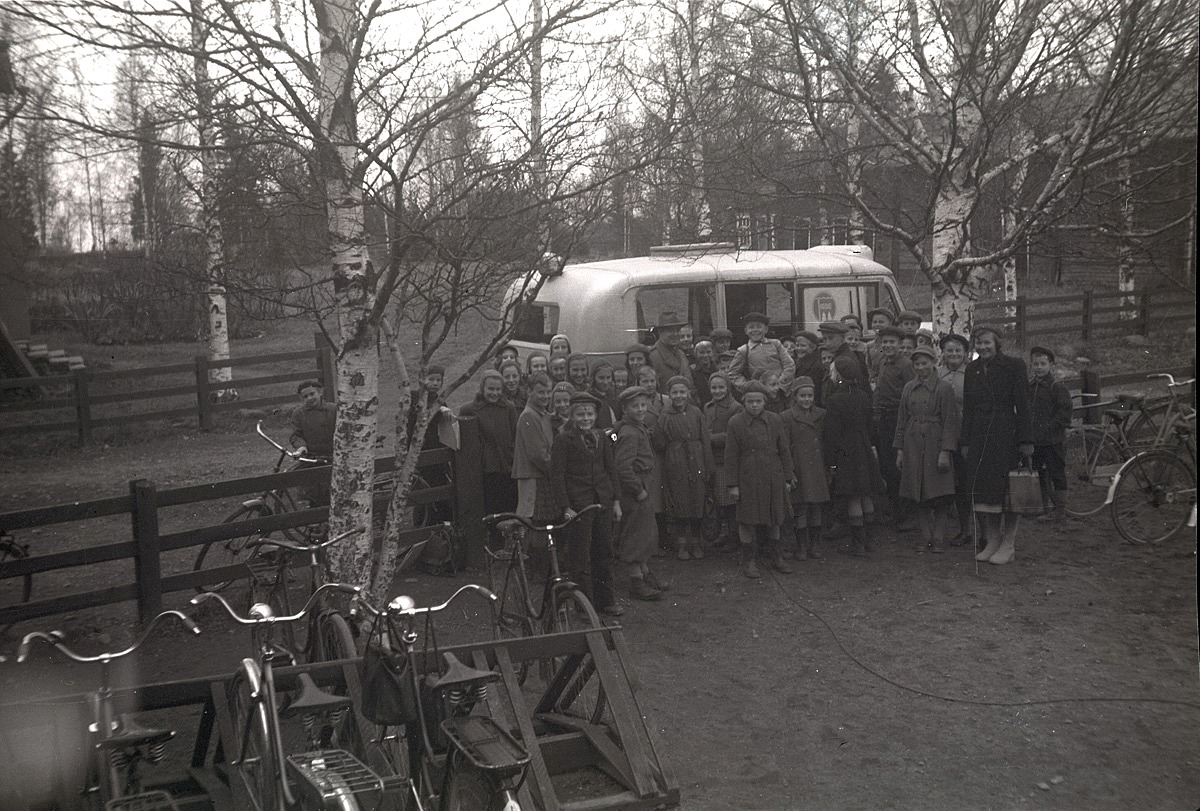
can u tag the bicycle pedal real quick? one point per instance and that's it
(145, 801)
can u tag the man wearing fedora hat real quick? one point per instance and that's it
(760, 354)
(666, 357)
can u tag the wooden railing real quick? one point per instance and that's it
(1087, 313)
(147, 544)
(80, 392)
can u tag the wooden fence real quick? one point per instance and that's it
(1088, 313)
(147, 545)
(79, 392)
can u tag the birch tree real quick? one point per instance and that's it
(965, 76)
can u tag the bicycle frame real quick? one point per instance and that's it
(107, 762)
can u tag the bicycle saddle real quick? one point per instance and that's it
(1131, 399)
(459, 674)
(130, 733)
(1117, 414)
(312, 700)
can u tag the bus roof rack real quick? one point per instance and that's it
(692, 249)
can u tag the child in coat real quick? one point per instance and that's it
(717, 412)
(927, 430)
(514, 383)
(682, 440)
(497, 434)
(758, 465)
(1050, 412)
(560, 405)
(637, 470)
(583, 471)
(847, 444)
(810, 492)
(531, 452)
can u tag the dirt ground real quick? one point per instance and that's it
(1066, 680)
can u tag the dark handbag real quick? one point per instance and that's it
(387, 691)
(1024, 495)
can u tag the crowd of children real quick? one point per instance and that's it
(775, 439)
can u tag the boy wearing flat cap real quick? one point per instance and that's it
(1050, 412)
(583, 471)
(637, 470)
(760, 353)
(808, 360)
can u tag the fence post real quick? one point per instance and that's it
(1089, 380)
(83, 404)
(147, 564)
(1144, 312)
(1087, 314)
(468, 491)
(203, 394)
(326, 369)
(1021, 319)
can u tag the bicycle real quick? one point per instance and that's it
(1095, 454)
(563, 606)
(1153, 495)
(280, 501)
(452, 759)
(324, 774)
(118, 744)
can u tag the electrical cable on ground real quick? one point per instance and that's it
(977, 702)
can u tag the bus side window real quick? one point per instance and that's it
(537, 323)
(693, 302)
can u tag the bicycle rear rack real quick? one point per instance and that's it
(331, 773)
(264, 570)
(145, 801)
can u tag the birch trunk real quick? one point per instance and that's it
(211, 166)
(699, 197)
(956, 289)
(353, 279)
(1126, 271)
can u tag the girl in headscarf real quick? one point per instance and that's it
(560, 344)
(536, 362)
(560, 404)
(557, 369)
(497, 434)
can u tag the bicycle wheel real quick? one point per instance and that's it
(583, 697)
(1154, 497)
(232, 550)
(469, 789)
(1093, 458)
(334, 641)
(257, 765)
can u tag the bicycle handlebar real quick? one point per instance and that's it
(405, 606)
(318, 460)
(1171, 383)
(496, 518)
(261, 613)
(55, 638)
(299, 547)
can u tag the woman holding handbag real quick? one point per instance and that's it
(997, 434)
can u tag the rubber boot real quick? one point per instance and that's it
(992, 534)
(965, 524)
(1004, 554)
(749, 560)
(814, 535)
(777, 562)
(858, 541)
(803, 544)
(639, 589)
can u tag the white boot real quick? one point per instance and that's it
(1007, 546)
(989, 524)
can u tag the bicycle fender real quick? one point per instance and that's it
(254, 502)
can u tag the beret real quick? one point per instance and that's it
(756, 387)
(880, 311)
(834, 326)
(803, 382)
(679, 379)
(811, 337)
(1041, 350)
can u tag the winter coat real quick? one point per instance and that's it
(313, 428)
(996, 420)
(497, 433)
(580, 476)
(531, 449)
(860, 364)
(637, 465)
(755, 356)
(716, 416)
(804, 430)
(683, 440)
(847, 441)
(927, 425)
(667, 363)
(758, 462)
(1049, 410)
